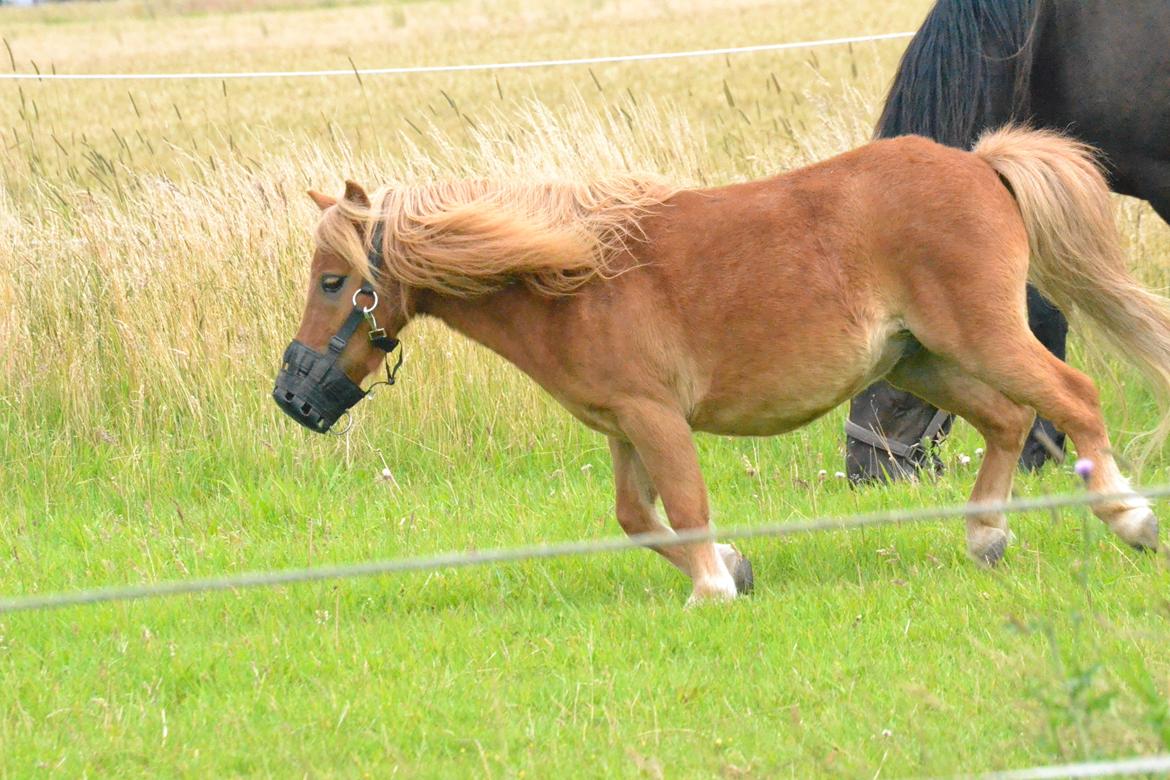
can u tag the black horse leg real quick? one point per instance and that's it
(887, 427)
(1143, 176)
(1155, 188)
(1162, 206)
(1051, 328)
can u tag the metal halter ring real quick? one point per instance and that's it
(347, 429)
(372, 306)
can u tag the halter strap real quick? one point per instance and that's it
(888, 445)
(342, 337)
(378, 337)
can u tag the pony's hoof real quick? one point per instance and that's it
(1138, 527)
(738, 566)
(987, 545)
(742, 574)
(715, 590)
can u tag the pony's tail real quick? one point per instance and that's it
(1076, 255)
(968, 67)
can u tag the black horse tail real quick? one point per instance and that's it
(968, 68)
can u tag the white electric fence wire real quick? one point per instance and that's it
(415, 69)
(543, 551)
(1154, 766)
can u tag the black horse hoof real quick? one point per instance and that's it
(742, 575)
(988, 546)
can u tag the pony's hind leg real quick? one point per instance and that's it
(995, 345)
(1070, 400)
(1003, 423)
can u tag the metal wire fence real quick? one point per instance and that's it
(493, 66)
(1151, 766)
(454, 560)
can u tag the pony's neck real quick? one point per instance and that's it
(511, 322)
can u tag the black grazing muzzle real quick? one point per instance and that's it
(311, 388)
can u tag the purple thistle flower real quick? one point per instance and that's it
(1084, 468)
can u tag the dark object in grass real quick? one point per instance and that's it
(745, 581)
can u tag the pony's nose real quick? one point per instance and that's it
(312, 389)
(298, 408)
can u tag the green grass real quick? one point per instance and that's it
(859, 650)
(152, 271)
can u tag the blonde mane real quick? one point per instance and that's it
(467, 238)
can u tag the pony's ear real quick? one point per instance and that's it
(356, 195)
(323, 201)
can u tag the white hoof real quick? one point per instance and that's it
(986, 544)
(712, 590)
(1137, 526)
(728, 554)
(739, 567)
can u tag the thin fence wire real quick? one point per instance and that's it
(1145, 765)
(493, 66)
(544, 551)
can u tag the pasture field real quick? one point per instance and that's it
(154, 243)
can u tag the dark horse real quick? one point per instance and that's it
(1098, 69)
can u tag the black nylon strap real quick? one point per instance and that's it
(879, 442)
(378, 337)
(341, 338)
(884, 443)
(377, 237)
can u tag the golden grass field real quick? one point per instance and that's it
(146, 177)
(154, 245)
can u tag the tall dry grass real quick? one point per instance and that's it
(164, 303)
(155, 239)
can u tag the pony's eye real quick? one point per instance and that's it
(331, 283)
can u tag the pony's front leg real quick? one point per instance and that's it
(635, 497)
(662, 444)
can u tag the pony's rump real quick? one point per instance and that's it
(1076, 253)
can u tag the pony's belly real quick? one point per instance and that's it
(778, 416)
(765, 403)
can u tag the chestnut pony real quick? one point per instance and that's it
(650, 312)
